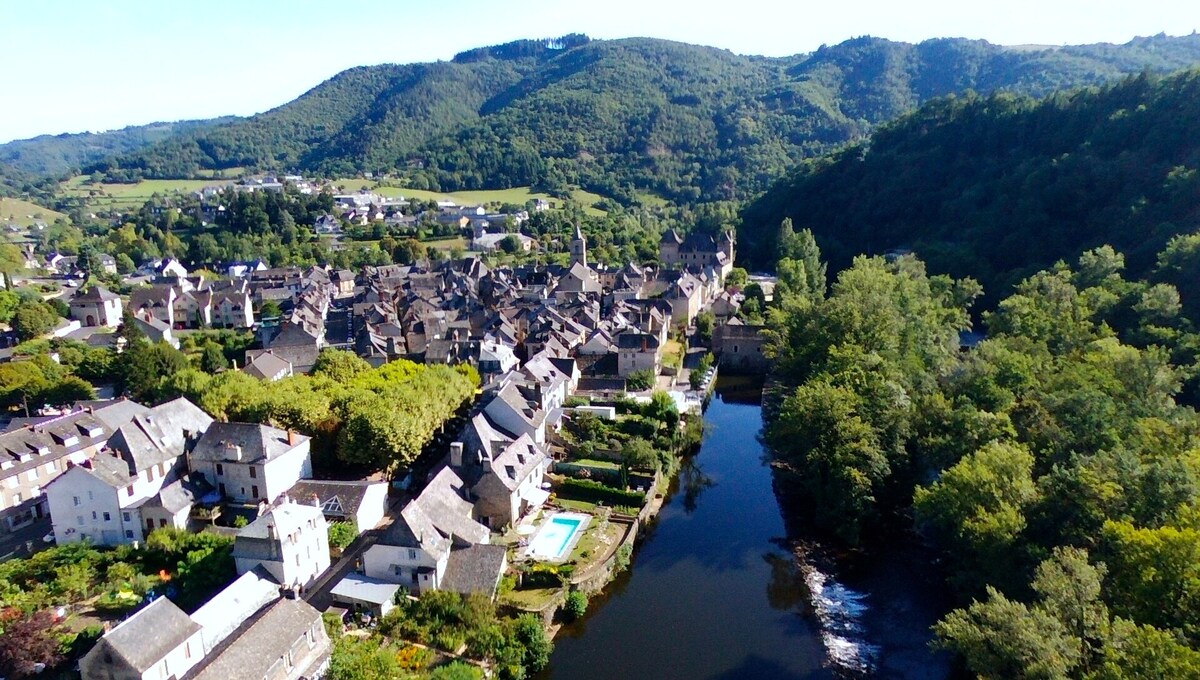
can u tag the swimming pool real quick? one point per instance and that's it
(557, 536)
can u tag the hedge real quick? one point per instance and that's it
(595, 492)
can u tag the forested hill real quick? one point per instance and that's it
(625, 116)
(58, 154)
(1001, 186)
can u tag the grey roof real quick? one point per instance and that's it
(267, 365)
(261, 642)
(95, 294)
(160, 434)
(145, 638)
(517, 460)
(357, 587)
(475, 569)
(236, 603)
(258, 442)
(337, 499)
(113, 412)
(181, 494)
(111, 470)
(636, 340)
(286, 518)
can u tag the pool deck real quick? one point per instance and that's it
(565, 553)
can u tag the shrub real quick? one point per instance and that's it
(624, 555)
(639, 381)
(595, 492)
(342, 534)
(576, 605)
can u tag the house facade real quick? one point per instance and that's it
(289, 541)
(251, 463)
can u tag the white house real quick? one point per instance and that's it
(416, 550)
(289, 541)
(97, 306)
(363, 503)
(510, 484)
(250, 463)
(517, 409)
(160, 642)
(113, 497)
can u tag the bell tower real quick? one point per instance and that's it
(579, 248)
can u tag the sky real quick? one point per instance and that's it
(79, 65)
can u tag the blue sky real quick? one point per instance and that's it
(76, 65)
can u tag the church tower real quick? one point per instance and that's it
(579, 248)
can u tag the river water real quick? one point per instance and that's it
(719, 590)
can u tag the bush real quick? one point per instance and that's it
(639, 381)
(595, 492)
(575, 606)
(342, 534)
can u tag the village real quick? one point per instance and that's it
(591, 381)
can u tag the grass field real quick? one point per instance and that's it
(517, 195)
(25, 213)
(131, 196)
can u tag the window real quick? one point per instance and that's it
(32, 475)
(162, 523)
(149, 525)
(220, 469)
(107, 517)
(79, 520)
(16, 498)
(253, 472)
(254, 491)
(412, 554)
(129, 490)
(75, 500)
(125, 516)
(94, 515)
(91, 496)
(187, 650)
(297, 560)
(162, 469)
(51, 468)
(128, 534)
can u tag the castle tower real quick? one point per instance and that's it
(579, 248)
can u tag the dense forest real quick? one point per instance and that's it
(624, 117)
(1055, 466)
(998, 187)
(59, 154)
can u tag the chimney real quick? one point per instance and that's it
(487, 462)
(233, 451)
(293, 438)
(456, 454)
(316, 501)
(272, 533)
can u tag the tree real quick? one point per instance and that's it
(638, 454)
(737, 277)
(705, 323)
(212, 359)
(147, 366)
(26, 643)
(66, 391)
(342, 534)
(340, 365)
(1001, 639)
(978, 506)
(1069, 589)
(696, 377)
(640, 380)
(576, 605)
(33, 319)
(527, 631)
(510, 244)
(270, 310)
(8, 305)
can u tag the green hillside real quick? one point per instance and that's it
(1001, 186)
(627, 116)
(58, 154)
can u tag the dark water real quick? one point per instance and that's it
(716, 590)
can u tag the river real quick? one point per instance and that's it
(719, 590)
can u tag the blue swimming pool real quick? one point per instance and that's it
(557, 535)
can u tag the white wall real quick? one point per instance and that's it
(86, 520)
(379, 561)
(373, 507)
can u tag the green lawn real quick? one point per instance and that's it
(517, 195)
(533, 599)
(598, 463)
(25, 213)
(130, 196)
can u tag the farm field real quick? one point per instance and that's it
(131, 196)
(517, 195)
(25, 213)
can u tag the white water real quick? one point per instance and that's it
(839, 611)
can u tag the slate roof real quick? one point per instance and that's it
(475, 569)
(259, 442)
(237, 602)
(160, 434)
(261, 642)
(267, 365)
(95, 294)
(287, 519)
(145, 638)
(338, 499)
(181, 494)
